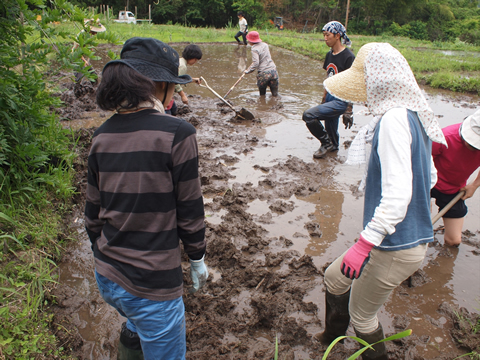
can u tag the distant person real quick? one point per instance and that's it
(338, 59)
(93, 27)
(190, 56)
(143, 198)
(242, 24)
(396, 217)
(455, 164)
(267, 75)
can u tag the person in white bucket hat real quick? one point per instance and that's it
(455, 165)
(400, 174)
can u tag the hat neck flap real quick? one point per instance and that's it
(390, 84)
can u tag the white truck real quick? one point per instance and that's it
(126, 17)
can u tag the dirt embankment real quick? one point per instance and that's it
(258, 284)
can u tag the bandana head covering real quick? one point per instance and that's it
(335, 27)
(381, 78)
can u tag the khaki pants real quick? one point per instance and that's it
(383, 273)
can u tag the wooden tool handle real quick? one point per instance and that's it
(448, 207)
(229, 91)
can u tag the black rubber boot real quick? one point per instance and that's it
(380, 352)
(325, 147)
(129, 347)
(316, 129)
(337, 317)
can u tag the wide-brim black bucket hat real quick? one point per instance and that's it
(153, 59)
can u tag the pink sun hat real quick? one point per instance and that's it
(254, 37)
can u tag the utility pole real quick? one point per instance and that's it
(346, 17)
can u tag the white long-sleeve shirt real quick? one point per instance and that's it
(261, 58)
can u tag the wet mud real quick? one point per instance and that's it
(275, 220)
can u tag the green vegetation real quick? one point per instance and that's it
(366, 345)
(36, 173)
(362, 342)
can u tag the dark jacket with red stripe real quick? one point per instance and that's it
(143, 196)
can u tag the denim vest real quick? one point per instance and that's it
(416, 228)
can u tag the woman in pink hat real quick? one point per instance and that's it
(267, 75)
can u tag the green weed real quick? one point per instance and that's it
(472, 355)
(364, 343)
(365, 347)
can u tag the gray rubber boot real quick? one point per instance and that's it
(129, 347)
(380, 352)
(337, 317)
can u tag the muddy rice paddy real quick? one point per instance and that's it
(275, 219)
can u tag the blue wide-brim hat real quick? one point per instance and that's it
(153, 59)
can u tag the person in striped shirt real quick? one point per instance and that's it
(143, 198)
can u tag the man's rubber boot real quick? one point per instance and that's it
(316, 129)
(380, 352)
(129, 347)
(337, 317)
(325, 147)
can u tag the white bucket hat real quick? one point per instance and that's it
(470, 130)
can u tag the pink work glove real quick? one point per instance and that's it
(356, 258)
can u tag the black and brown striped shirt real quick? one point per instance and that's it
(143, 196)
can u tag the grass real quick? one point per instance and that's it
(30, 233)
(32, 239)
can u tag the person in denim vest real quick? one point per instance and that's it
(400, 173)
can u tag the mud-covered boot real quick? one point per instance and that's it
(323, 150)
(325, 147)
(129, 347)
(380, 352)
(337, 317)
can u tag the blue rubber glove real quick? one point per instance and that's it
(199, 274)
(356, 258)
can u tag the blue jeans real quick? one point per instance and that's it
(329, 112)
(159, 324)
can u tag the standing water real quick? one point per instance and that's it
(336, 206)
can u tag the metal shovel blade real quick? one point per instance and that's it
(242, 114)
(245, 114)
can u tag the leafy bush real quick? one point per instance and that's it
(397, 30)
(418, 30)
(472, 37)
